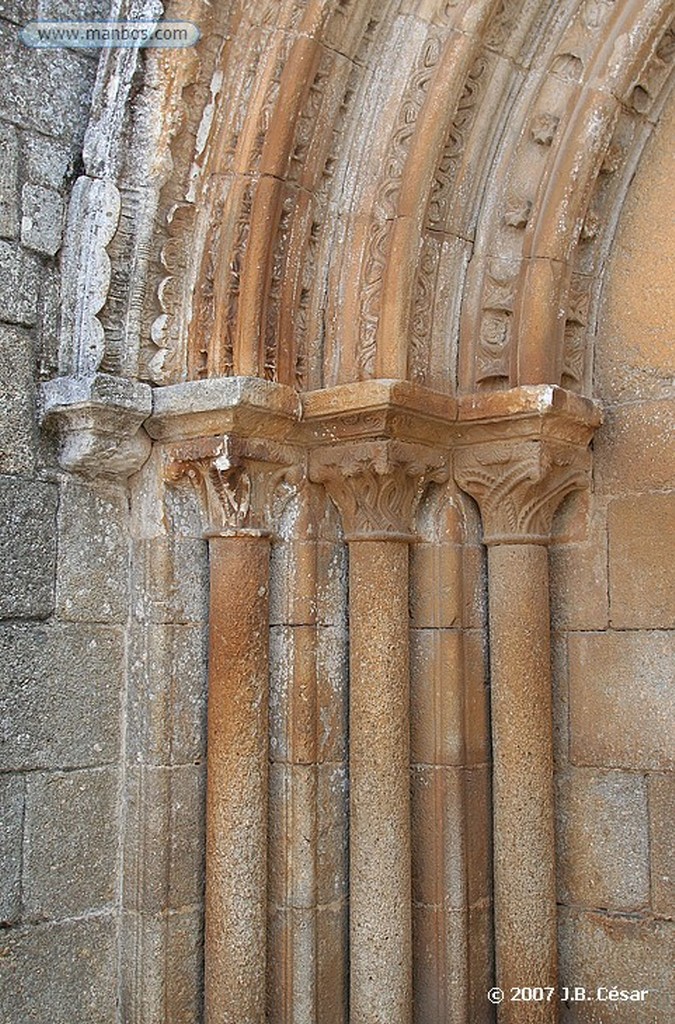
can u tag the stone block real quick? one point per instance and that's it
(170, 580)
(661, 818)
(603, 841)
(579, 581)
(633, 449)
(292, 968)
(42, 219)
(332, 972)
(9, 182)
(92, 582)
(27, 548)
(161, 967)
(164, 838)
(436, 696)
(46, 91)
(293, 813)
(64, 973)
(48, 162)
(49, 311)
(70, 845)
(18, 425)
(474, 587)
(19, 283)
(481, 964)
(621, 699)
(12, 797)
(476, 698)
(60, 695)
(436, 585)
(641, 544)
(333, 833)
(478, 803)
(438, 827)
(332, 672)
(615, 951)
(167, 695)
(440, 975)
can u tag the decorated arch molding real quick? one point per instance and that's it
(365, 240)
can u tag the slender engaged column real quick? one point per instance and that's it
(376, 485)
(236, 798)
(236, 480)
(523, 809)
(379, 770)
(518, 485)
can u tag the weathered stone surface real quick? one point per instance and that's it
(19, 283)
(439, 604)
(70, 850)
(167, 695)
(64, 973)
(579, 581)
(42, 220)
(633, 449)
(12, 798)
(18, 425)
(661, 817)
(641, 544)
(620, 952)
(164, 840)
(60, 695)
(9, 182)
(333, 833)
(621, 699)
(93, 579)
(27, 548)
(437, 696)
(170, 580)
(161, 977)
(59, 106)
(48, 162)
(603, 841)
(332, 969)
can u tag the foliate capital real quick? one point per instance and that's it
(238, 480)
(519, 484)
(377, 485)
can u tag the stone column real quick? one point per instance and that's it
(376, 486)
(518, 486)
(237, 492)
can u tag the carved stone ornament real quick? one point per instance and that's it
(99, 421)
(239, 481)
(520, 484)
(377, 485)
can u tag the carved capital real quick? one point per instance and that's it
(239, 481)
(519, 485)
(377, 485)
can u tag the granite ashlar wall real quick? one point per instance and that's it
(613, 612)
(64, 604)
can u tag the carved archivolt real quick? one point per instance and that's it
(329, 190)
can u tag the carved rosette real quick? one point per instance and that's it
(519, 485)
(377, 485)
(240, 482)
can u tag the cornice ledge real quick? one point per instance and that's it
(245, 406)
(378, 409)
(529, 411)
(99, 420)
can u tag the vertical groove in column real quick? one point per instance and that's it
(524, 836)
(236, 802)
(380, 865)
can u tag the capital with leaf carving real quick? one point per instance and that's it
(519, 485)
(239, 480)
(377, 485)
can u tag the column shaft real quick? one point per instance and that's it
(236, 802)
(380, 866)
(524, 823)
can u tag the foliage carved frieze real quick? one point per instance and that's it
(377, 485)
(519, 485)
